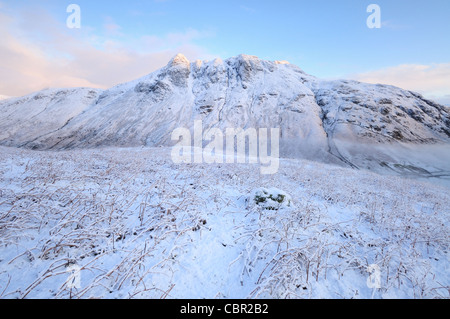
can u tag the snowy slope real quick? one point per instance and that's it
(43, 113)
(138, 226)
(377, 127)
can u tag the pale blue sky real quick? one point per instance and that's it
(328, 39)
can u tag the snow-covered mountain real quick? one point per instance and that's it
(360, 125)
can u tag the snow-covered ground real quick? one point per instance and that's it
(138, 226)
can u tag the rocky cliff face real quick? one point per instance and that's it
(335, 121)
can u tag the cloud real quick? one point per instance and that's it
(389, 24)
(111, 28)
(37, 51)
(247, 9)
(433, 81)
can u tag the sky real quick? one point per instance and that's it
(119, 41)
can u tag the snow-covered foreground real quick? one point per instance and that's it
(139, 226)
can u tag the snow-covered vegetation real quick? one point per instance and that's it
(138, 226)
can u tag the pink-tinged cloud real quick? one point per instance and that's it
(433, 81)
(37, 52)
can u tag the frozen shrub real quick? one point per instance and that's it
(270, 199)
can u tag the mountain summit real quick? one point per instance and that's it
(179, 59)
(344, 122)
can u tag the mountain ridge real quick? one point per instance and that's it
(318, 118)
